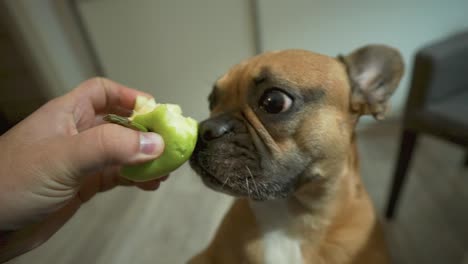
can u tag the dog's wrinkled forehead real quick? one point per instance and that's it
(298, 68)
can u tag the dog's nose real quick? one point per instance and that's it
(214, 128)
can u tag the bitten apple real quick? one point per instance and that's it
(179, 134)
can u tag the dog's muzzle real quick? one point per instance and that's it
(228, 161)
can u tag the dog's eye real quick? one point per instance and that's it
(275, 101)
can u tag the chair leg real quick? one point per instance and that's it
(466, 159)
(408, 142)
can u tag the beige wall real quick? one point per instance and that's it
(332, 27)
(176, 49)
(172, 49)
(52, 42)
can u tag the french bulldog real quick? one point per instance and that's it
(281, 139)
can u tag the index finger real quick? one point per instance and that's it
(104, 94)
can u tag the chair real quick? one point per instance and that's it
(437, 104)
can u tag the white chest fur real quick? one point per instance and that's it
(274, 219)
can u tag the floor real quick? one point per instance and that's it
(431, 225)
(168, 226)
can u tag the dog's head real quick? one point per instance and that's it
(283, 119)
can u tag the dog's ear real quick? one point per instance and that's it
(374, 72)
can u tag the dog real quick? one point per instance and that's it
(281, 139)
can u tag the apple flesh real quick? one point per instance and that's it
(179, 134)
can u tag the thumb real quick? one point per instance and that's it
(111, 144)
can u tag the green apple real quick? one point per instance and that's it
(179, 134)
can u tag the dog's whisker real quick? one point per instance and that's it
(224, 183)
(248, 189)
(253, 180)
(229, 176)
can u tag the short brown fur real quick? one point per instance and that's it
(332, 214)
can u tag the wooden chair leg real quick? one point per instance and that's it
(408, 142)
(466, 159)
(4, 124)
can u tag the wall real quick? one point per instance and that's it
(332, 27)
(51, 41)
(174, 50)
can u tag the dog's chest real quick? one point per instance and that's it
(274, 219)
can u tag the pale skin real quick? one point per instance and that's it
(61, 156)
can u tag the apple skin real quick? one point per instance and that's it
(179, 134)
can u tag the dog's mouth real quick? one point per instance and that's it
(232, 165)
(212, 182)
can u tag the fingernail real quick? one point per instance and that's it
(151, 143)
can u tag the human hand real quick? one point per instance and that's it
(61, 156)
